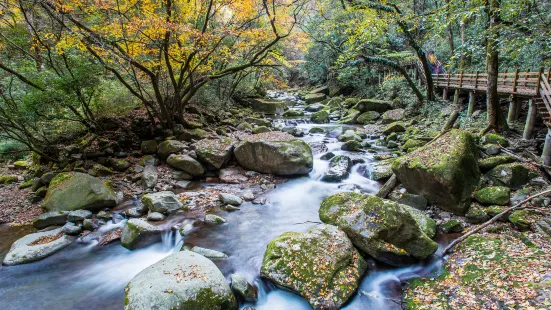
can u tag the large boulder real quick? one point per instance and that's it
(314, 98)
(267, 106)
(184, 280)
(37, 246)
(392, 233)
(368, 117)
(74, 190)
(186, 163)
(320, 117)
(162, 202)
(339, 169)
(56, 218)
(138, 233)
(276, 153)
(380, 106)
(394, 115)
(445, 171)
(214, 153)
(321, 265)
(149, 177)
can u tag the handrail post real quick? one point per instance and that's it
(476, 81)
(448, 84)
(437, 79)
(540, 73)
(515, 81)
(461, 79)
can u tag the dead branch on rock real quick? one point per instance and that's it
(388, 187)
(494, 219)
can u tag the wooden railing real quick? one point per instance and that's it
(526, 84)
(545, 90)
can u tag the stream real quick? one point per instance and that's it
(85, 276)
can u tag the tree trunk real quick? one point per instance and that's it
(496, 120)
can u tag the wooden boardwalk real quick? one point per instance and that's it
(528, 85)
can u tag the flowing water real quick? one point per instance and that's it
(86, 276)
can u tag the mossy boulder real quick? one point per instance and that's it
(451, 226)
(350, 102)
(394, 127)
(119, 164)
(186, 163)
(293, 113)
(261, 129)
(412, 144)
(392, 233)
(380, 106)
(244, 126)
(149, 147)
(258, 121)
(320, 117)
(351, 117)
(476, 214)
(56, 218)
(138, 233)
(169, 147)
(74, 190)
(214, 153)
(492, 138)
(445, 171)
(267, 106)
(368, 117)
(320, 265)
(351, 146)
(348, 136)
(22, 164)
(415, 201)
(8, 179)
(314, 98)
(184, 280)
(276, 153)
(520, 220)
(493, 195)
(514, 175)
(339, 169)
(491, 162)
(316, 130)
(193, 134)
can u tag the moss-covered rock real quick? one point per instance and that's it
(138, 233)
(25, 184)
(186, 163)
(321, 265)
(492, 138)
(162, 202)
(514, 175)
(415, 201)
(389, 232)
(380, 106)
(368, 117)
(214, 153)
(261, 129)
(268, 106)
(193, 134)
(476, 214)
(314, 98)
(149, 147)
(8, 179)
(349, 135)
(394, 127)
(244, 126)
(274, 152)
(451, 226)
(445, 171)
(119, 164)
(491, 162)
(181, 281)
(258, 121)
(412, 144)
(493, 195)
(394, 115)
(351, 117)
(73, 191)
(169, 147)
(351, 146)
(320, 117)
(293, 113)
(519, 218)
(316, 130)
(22, 164)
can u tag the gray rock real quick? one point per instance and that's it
(150, 176)
(214, 153)
(47, 178)
(182, 184)
(169, 147)
(29, 248)
(71, 229)
(339, 169)
(155, 216)
(275, 152)
(134, 212)
(149, 147)
(415, 201)
(181, 175)
(230, 199)
(184, 280)
(50, 219)
(248, 195)
(229, 208)
(186, 229)
(89, 224)
(79, 215)
(208, 253)
(104, 215)
(214, 219)
(327, 156)
(138, 233)
(163, 202)
(243, 288)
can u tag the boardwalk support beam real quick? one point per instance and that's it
(530, 120)
(514, 107)
(472, 103)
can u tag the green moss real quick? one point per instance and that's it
(493, 195)
(60, 179)
(320, 117)
(491, 162)
(519, 218)
(492, 138)
(451, 226)
(8, 179)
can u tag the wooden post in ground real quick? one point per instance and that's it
(530, 120)
(513, 109)
(546, 154)
(472, 103)
(446, 95)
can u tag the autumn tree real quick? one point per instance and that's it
(165, 51)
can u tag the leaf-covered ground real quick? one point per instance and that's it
(504, 270)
